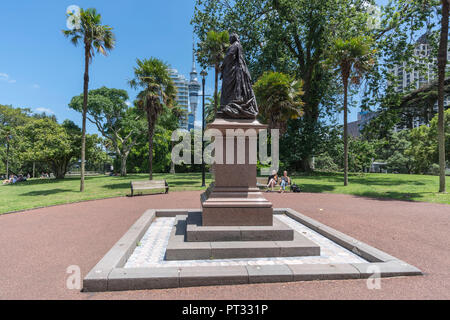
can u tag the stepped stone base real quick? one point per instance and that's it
(196, 232)
(180, 249)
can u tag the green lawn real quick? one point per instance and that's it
(378, 185)
(38, 193)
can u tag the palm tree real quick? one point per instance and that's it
(211, 53)
(442, 63)
(179, 113)
(95, 37)
(279, 99)
(152, 76)
(209, 110)
(352, 57)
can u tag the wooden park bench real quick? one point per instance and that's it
(148, 185)
(261, 182)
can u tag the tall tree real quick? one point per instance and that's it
(211, 53)
(352, 57)
(152, 76)
(442, 64)
(289, 36)
(95, 37)
(47, 141)
(107, 109)
(10, 119)
(6, 134)
(279, 99)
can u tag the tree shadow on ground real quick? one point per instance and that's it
(117, 186)
(363, 180)
(45, 192)
(393, 195)
(315, 188)
(38, 182)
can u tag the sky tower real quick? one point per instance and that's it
(194, 89)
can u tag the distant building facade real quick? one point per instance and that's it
(409, 78)
(182, 98)
(355, 127)
(187, 94)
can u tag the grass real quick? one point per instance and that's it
(39, 193)
(377, 185)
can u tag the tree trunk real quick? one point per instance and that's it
(172, 164)
(85, 101)
(7, 161)
(306, 164)
(216, 85)
(34, 168)
(60, 169)
(442, 62)
(345, 82)
(150, 144)
(123, 165)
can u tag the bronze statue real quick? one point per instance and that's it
(237, 99)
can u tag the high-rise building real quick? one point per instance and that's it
(187, 94)
(355, 127)
(194, 89)
(182, 85)
(414, 77)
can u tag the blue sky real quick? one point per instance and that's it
(42, 70)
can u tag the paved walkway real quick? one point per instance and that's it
(37, 246)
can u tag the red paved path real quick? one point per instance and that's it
(37, 246)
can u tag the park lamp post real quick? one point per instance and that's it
(203, 74)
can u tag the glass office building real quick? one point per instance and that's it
(182, 85)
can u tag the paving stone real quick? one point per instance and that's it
(96, 280)
(395, 268)
(371, 254)
(196, 232)
(179, 249)
(269, 273)
(300, 246)
(307, 272)
(143, 278)
(171, 212)
(244, 249)
(210, 276)
(307, 221)
(278, 232)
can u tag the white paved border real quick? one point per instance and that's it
(151, 249)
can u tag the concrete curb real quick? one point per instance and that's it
(109, 274)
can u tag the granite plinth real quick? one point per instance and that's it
(180, 249)
(195, 231)
(233, 199)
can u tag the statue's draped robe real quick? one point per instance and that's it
(237, 97)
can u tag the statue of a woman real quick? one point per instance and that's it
(237, 98)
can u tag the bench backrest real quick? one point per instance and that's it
(148, 184)
(261, 180)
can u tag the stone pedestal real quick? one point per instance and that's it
(234, 199)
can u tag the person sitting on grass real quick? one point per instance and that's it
(285, 180)
(272, 181)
